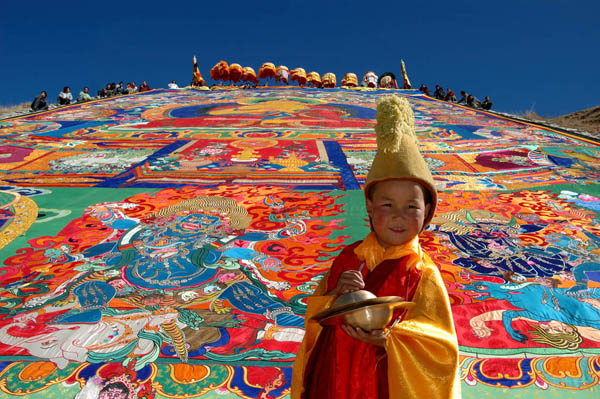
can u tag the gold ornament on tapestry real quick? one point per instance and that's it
(211, 205)
(290, 164)
(249, 148)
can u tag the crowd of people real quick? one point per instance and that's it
(65, 97)
(113, 89)
(465, 98)
(387, 80)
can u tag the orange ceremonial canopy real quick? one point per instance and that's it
(350, 80)
(267, 71)
(220, 71)
(235, 72)
(249, 75)
(314, 78)
(329, 80)
(299, 75)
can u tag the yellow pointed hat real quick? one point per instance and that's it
(398, 155)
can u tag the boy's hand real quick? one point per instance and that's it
(375, 337)
(349, 281)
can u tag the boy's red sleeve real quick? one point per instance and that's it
(317, 302)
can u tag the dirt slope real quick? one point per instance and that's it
(586, 120)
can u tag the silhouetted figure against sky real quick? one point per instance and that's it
(65, 97)
(439, 93)
(487, 103)
(39, 103)
(84, 95)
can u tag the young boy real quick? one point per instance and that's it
(416, 356)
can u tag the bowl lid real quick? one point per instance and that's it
(352, 297)
(351, 306)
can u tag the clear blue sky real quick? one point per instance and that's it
(543, 55)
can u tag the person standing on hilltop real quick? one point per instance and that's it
(84, 95)
(105, 92)
(439, 93)
(472, 101)
(39, 103)
(132, 88)
(487, 103)
(65, 97)
(463, 97)
(144, 87)
(121, 89)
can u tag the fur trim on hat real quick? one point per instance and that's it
(394, 120)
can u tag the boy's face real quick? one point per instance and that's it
(397, 210)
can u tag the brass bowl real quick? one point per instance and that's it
(373, 317)
(362, 309)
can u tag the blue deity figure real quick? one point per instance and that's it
(187, 245)
(491, 245)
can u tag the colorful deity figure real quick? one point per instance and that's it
(582, 158)
(195, 277)
(188, 246)
(489, 244)
(562, 320)
(61, 254)
(116, 336)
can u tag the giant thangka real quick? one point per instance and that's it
(162, 245)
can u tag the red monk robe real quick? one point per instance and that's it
(420, 358)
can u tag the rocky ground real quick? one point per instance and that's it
(14, 110)
(585, 122)
(588, 120)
